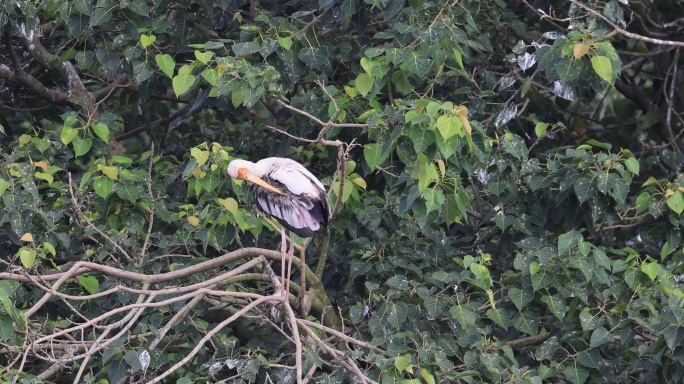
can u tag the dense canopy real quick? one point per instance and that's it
(505, 179)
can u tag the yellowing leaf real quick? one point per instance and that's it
(193, 220)
(27, 237)
(580, 50)
(442, 168)
(461, 110)
(109, 171)
(358, 180)
(41, 164)
(427, 376)
(466, 124)
(24, 139)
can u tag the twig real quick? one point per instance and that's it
(77, 208)
(626, 33)
(342, 336)
(149, 192)
(298, 342)
(214, 331)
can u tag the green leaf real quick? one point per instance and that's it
(643, 202)
(7, 333)
(27, 257)
(364, 83)
(567, 241)
(464, 314)
(68, 134)
(620, 190)
(599, 337)
(224, 235)
(599, 144)
(77, 24)
(138, 6)
(526, 322)
(586, 266)
(103, 186)
(102, 131)
(314, 58)
(501, 316)
(147, 40)
(588, 320)
(90, 283)
(374, 156)
(633, 165)
(397, 314)
(449, 126)
(285, 42)
(166, 63)
(402, 362)
(576, 374)
(82, 146)
(211, 76)
(556, 305)
(651, 269)
(204, 57)
(50, 248)
(590, 359)
(417, 63)
(84, 6)
(540, 129)
(520, 297)
(242, 49)
(182, 83)
(4, 184)
(676, 202)
(673, 335)
(422, 138)
(100, 16)
(602, 66)
(127, 192)
(210, 182)
(434, 198)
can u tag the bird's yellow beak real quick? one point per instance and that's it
(244, 174)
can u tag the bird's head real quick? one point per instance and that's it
(245, 170)
(238, 169)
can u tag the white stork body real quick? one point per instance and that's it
(286, 190)
(296, 198)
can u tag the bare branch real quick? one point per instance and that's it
(626, 33)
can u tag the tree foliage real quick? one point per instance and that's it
(505, 180)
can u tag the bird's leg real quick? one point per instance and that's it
(290, 256)
(283, 251)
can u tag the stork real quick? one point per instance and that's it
(286, 190)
